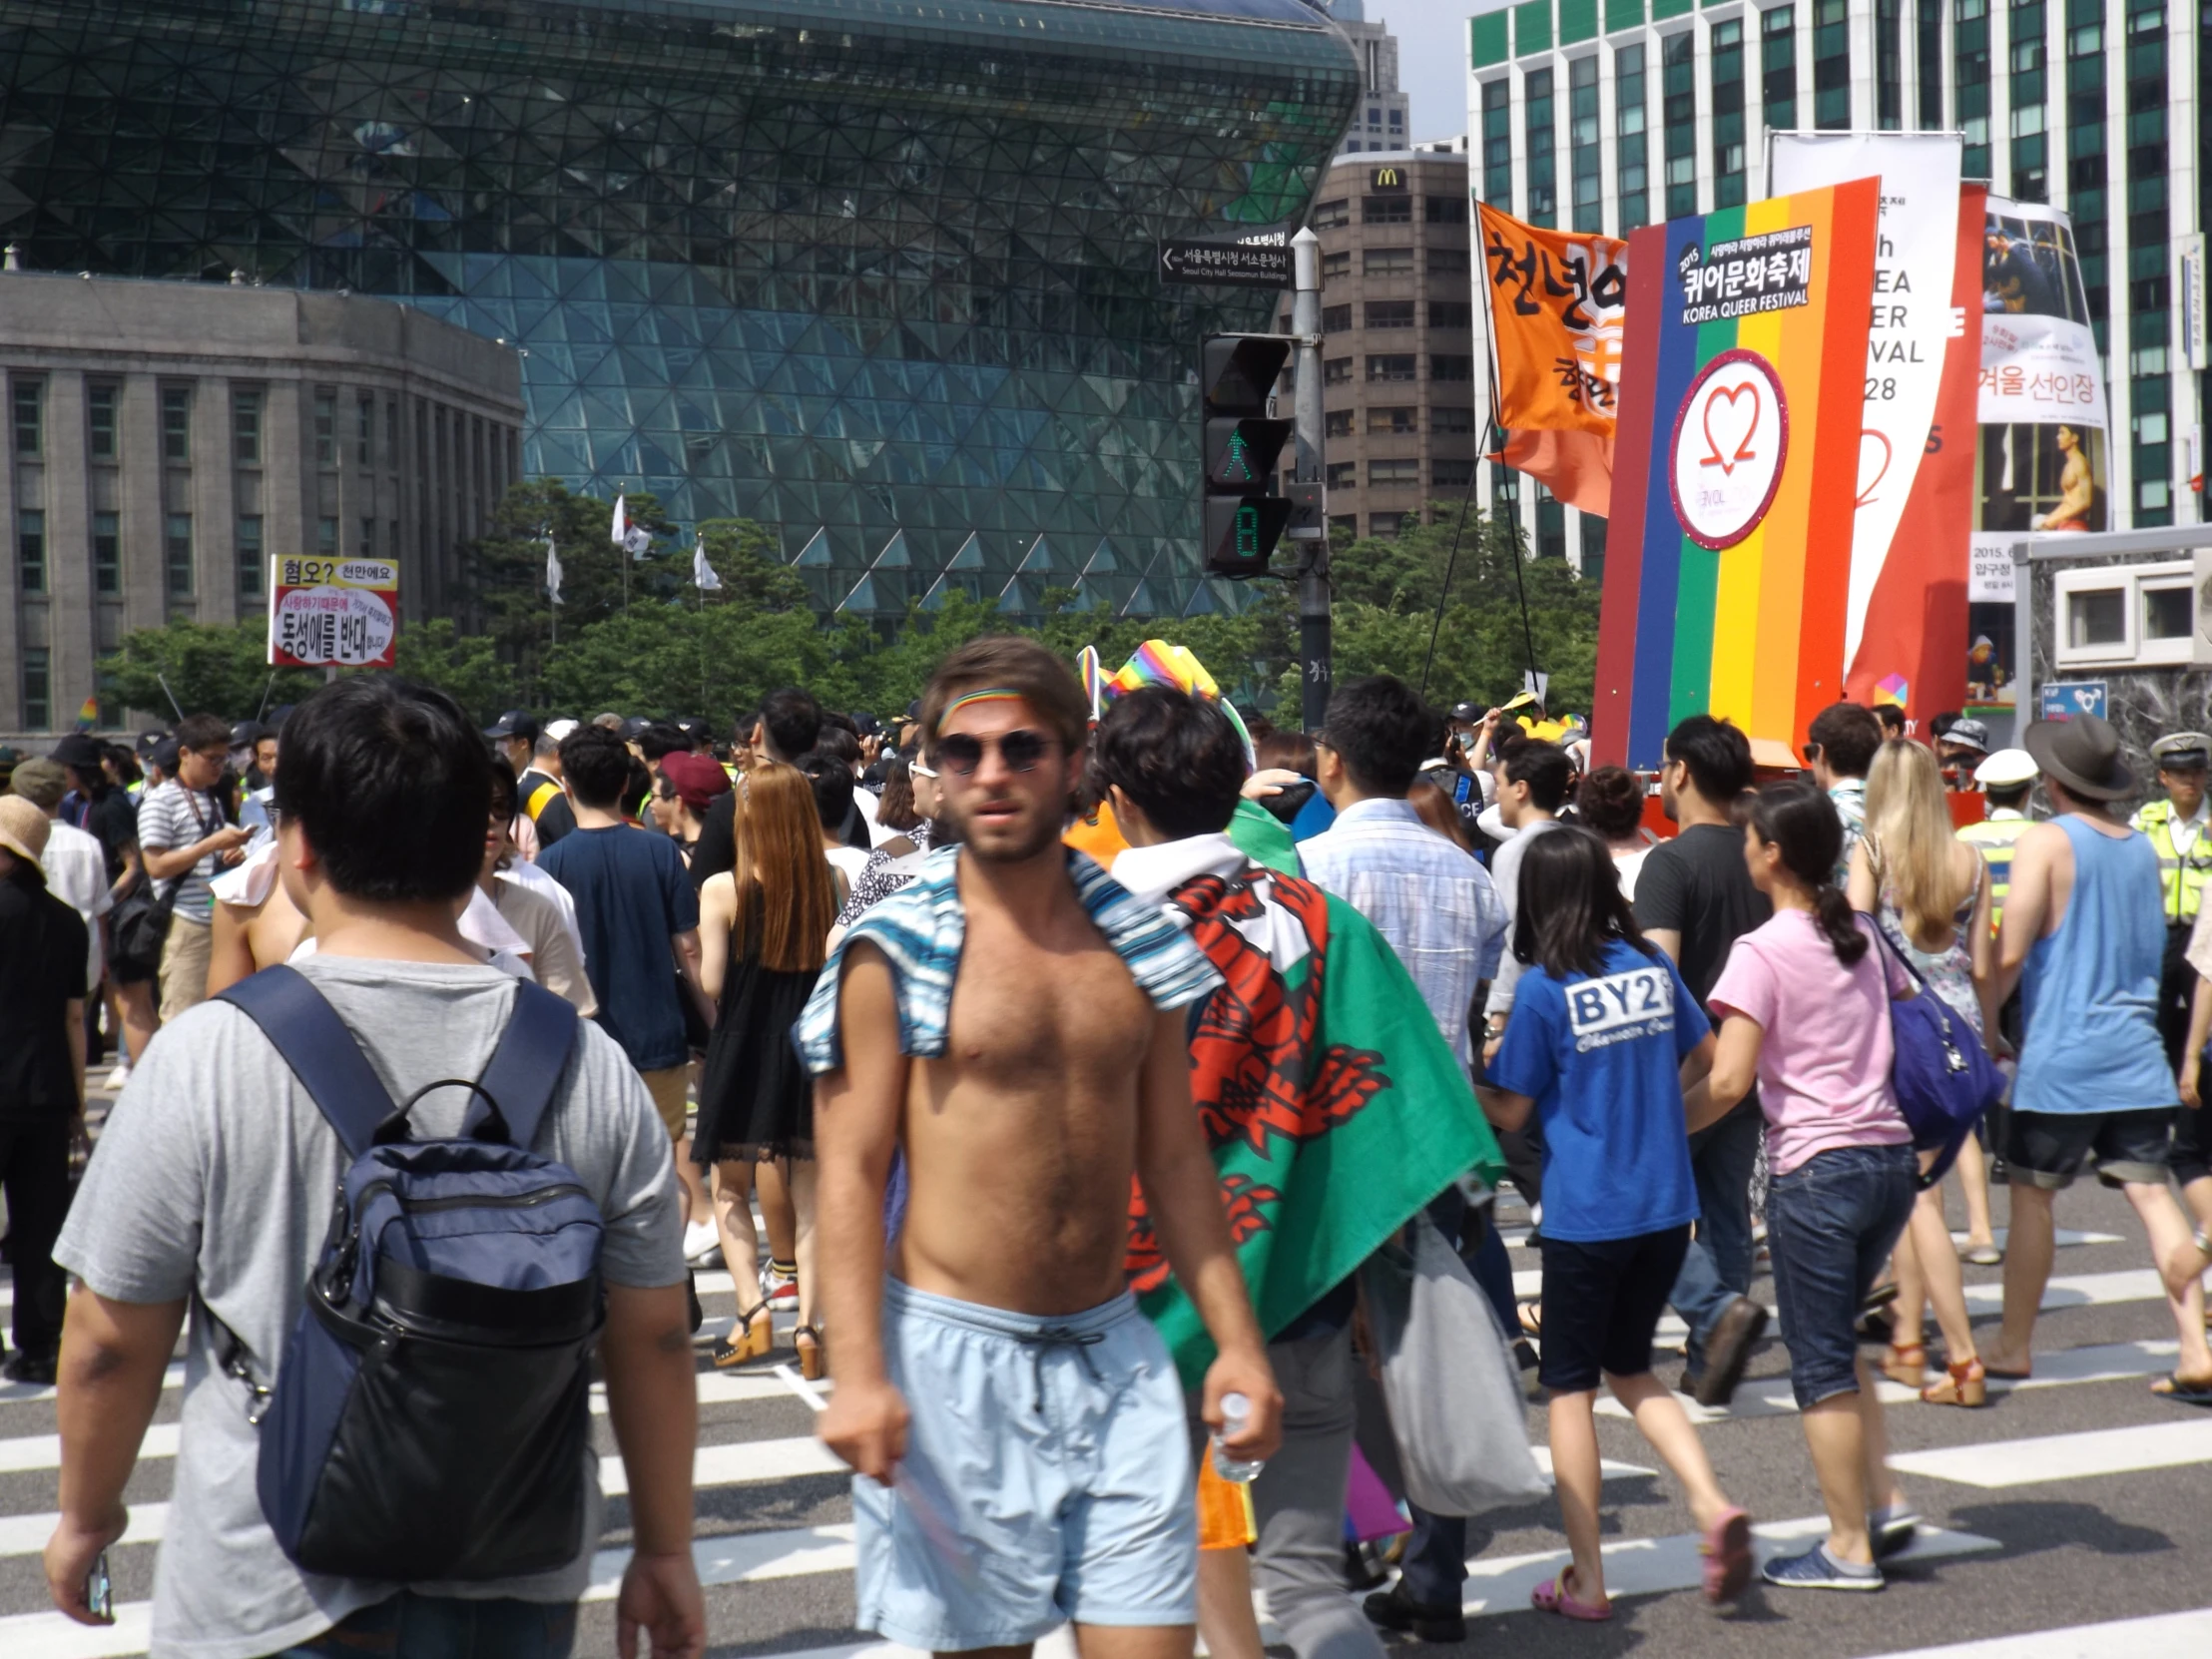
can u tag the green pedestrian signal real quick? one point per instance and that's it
(1242, 522)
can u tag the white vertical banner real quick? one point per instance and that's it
(2189, 297)
(1915, 256)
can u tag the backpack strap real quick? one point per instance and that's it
(527, 1065)
(307, 1031)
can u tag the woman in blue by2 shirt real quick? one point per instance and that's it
(1604, 1040)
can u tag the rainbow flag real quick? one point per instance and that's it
(87, 715)
(1742, 385)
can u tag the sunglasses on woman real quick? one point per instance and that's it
(960, 753)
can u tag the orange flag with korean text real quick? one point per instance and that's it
(1556, 301)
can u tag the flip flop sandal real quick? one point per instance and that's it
(1552, 1596)
(1727, 1552)
(1985, 1256)
(1533, 1319)
(2183, 1392)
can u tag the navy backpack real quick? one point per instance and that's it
(429, 1418)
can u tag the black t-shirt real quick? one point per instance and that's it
(1697, 885)
(556, 818)
(717, 847)
(43, 947)
(112, 815)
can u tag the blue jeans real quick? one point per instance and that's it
(1717, 1269)
(412, 1626)
(1830, 1224)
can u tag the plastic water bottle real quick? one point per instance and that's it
(1236, 1411)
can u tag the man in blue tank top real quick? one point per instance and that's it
(2082, 936)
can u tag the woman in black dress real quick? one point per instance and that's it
(763, 929)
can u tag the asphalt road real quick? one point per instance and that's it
(2041, 1529)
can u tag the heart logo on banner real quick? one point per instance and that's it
(1867, 485)
(1734, 425)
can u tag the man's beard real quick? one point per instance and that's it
(1044, 832)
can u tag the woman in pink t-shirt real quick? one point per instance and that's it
(1803, 1011)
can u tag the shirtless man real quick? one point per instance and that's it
(2076, 490)
(1014, 1023)
(2082, 937)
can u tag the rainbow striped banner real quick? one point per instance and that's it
(1742, 387)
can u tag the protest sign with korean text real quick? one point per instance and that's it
(333, 613)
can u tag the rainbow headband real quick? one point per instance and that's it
(989, 693)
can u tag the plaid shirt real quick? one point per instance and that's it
(923, 927)
(1433, 901)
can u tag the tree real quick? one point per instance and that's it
(215, 668)
(463, 666)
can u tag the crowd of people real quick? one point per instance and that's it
(1018, 1020)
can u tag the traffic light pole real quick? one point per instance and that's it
(1314, 646)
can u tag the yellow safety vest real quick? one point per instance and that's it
(540, 797)
(1997, 839)
(2180, 879)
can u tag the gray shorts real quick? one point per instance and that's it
(1046, 1477)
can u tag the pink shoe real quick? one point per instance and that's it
(1553, 1596)
(1727, 1552)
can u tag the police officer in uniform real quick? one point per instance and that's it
(2178, 829)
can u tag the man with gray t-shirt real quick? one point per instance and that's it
(214, 1188)
(187, 843)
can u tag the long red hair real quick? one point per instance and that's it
(785, 898)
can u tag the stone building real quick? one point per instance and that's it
(165, 438)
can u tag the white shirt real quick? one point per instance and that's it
(76, 872)
(525, 875)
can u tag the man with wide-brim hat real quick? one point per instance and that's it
(2082, 937)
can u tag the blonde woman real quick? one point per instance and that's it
(1930, 893)
(762, 931)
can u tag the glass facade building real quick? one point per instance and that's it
(2089, 104)
(879, 274)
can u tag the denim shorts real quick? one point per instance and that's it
(1830, 1224)
(2049, 1149)
(1047, 1477)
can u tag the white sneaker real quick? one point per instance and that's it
(702, 1244)
(119, 1077)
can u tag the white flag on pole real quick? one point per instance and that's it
(552, 572)
(702, 573)
(621, 532)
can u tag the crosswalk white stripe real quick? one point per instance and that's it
(1770, 1397)
(2081, 1289)
(2159, 1636)
(2095, 1451)
(1641, 1566)
(715, 1389)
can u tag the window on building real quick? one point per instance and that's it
(1336, 372)
(1928, 54)
(30, 418)
(99, 421)
(177, 425)
(1386, 261)
(1678, 89)
(250, 553)
(1343, 475)
(1447, 474)
(1971, 82)
(1778, 68)
(368, 538)
(1328, 214)
(1832, 65)
(1335, 320)
(1443, 209)
(1633, 181)
(1539, 133)
(325, 428)
(2126, 616)
(1389, 526)
(2087, 178)
(30, 548)
(106, 556)
(1386, 209)
(1498, 144)
(1383, 420)
(1593, 548)
(326, 537)
(1375, 115)
(1586, 208)
(1343, 529)
(1551, 526)
(1447, 261)
(2149, 295)
(1727, 56)
(1397, 366)
(177, 554)
(246, 428)
(1450, 313)
(38, 688)
(1888, 65)
(1389, 314)
(1397, 118)
(391, 432)
(1338, 264)
(1450, 366)
(2030, 92)
(1337, 423)
(364, 429)
(1400, 470)
(1449, 420)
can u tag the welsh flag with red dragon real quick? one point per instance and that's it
(1334, 1106)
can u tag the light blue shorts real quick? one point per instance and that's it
(1047, 1477)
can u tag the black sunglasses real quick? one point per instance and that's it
(961, 752)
